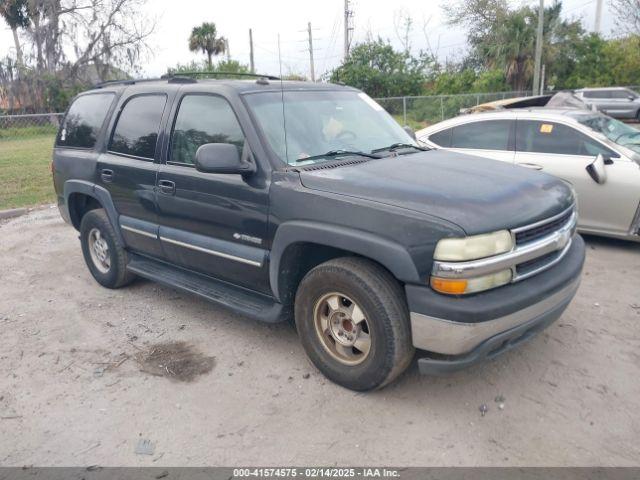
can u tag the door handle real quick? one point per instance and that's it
(167, 187)
(106, 175)
(532, 166)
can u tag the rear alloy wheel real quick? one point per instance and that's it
(353, 322)
(106, 260)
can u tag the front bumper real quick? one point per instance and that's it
(460, 331)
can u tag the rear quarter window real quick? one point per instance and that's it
(82, 124)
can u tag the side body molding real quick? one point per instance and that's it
(99, 193)
(391, 255)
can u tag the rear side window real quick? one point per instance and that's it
(203, 119)
(489, 135)
(621, 94)
(550, 137)
(442, 138)
(83, 121)
(597, 94)
(136, 131)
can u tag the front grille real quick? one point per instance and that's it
(532, 265)
(537, 232)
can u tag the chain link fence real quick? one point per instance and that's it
(26, 144)
(421, 111)
(15, 127)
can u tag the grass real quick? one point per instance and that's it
(25, 172)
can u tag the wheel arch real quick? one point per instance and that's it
(299, 246)
(82, 196)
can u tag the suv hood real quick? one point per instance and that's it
(479, 195)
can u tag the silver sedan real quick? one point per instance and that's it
(598, 155)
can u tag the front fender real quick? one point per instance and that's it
(393, 256)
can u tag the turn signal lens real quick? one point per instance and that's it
(457, 286)
(449, 285)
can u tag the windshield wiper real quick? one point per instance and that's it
(338, 153)
(396, 146)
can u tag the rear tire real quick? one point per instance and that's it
(106, 260)
(353, 322)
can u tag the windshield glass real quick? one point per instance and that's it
(314, 123)
(614, 130)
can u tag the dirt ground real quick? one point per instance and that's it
(83, 378)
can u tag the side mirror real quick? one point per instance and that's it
(410, 131)
(631, 98)
(222, 158)
(597, 170)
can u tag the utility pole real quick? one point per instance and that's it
(598, 16)
(228, 49)
(347, 28)
(542, 79)
(538, 59)
(311, 65)
(251, 64)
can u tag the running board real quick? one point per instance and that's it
(240, 300)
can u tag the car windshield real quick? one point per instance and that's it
(614, 130)
(304, 127)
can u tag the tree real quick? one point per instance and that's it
(504, 38)
(74, 43)
(381, 71)
(229, 67)
(204, 38)
(627, 13)
(15, 13)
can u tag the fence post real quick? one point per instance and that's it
(441, 109)
(404, 110)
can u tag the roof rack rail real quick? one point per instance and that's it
(242, 74)
(181, 77)
(128, 81)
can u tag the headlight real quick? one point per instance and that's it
(474, 247)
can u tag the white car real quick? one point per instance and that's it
(598, 155)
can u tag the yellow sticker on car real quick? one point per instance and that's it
(546, 128)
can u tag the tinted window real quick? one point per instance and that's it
(549, 137)
(83, 121)
(442, 138)
(136, 132)
(624, 94)
(203, 119)
(597, 94)
(491, 135)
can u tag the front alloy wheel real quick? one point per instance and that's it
(342, 328)
(353, 322)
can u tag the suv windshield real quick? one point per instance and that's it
(314, 126)
(614, 130)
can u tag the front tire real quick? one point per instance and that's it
(106, 260)
(353, 322)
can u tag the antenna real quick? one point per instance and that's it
(284, 117)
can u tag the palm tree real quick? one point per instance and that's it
(203, 38)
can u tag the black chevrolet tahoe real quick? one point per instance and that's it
(308, 201)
